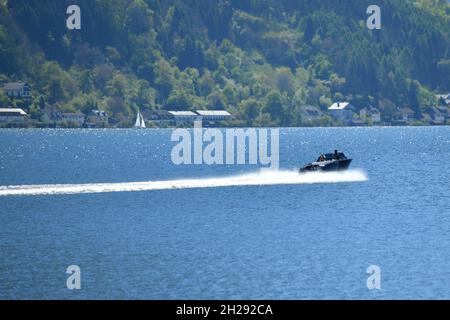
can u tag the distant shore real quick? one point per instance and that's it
(220, 127)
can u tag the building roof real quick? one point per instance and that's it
(443, 96)
(99, 113)
(311, 111)
(13, 111)
(159, 115)
(182, 113)
(372, 110)
(339, 106)
(213, 113)
(14, 85)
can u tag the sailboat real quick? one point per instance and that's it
(140, 123)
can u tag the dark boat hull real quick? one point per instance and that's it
(337, 165)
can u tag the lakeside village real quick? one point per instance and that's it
(18, 115)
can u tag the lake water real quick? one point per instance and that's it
(217, 234)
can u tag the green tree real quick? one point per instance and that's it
(273, 104)
(250, 109)
(230, 93)
(284, 80)
(102, 74)
(164, 80)
(205, 84)
(4, 100)
(56, 90)
(217, 101)
(179, 100)
(413, 98)
(138, 17)
(265, 120)
(117, 85)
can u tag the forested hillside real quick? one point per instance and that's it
(259, 59)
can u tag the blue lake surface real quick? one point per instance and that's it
(299, 241)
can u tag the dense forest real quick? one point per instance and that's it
(260, 59)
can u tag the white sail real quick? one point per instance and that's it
(137, 124)
(142, 122)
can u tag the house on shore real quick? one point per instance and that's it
(426, 118)
(342, 111)
(370, 114)
(96, 119)
(211, 117)
(170, 118)
(435, 116)
(57, 118)
(445, 111)
(403, 116)
(183, 117)
(12, 115)
(17, 89)
(73, 117)
(443, 99)
(310, 113)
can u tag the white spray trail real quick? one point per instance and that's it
(262, 178)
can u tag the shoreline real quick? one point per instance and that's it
(223, 127)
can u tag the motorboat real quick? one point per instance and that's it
(336, 161)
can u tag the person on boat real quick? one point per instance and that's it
(336, 155)
(322, 158)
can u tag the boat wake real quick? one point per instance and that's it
(263, 178)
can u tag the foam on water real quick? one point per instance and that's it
(263, 178)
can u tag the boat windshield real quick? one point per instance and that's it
(331, 156)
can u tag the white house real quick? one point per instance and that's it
(213, 116)
(183, 116)
(342, 111)
(370, 113)
(12, 115)
(17, 89)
